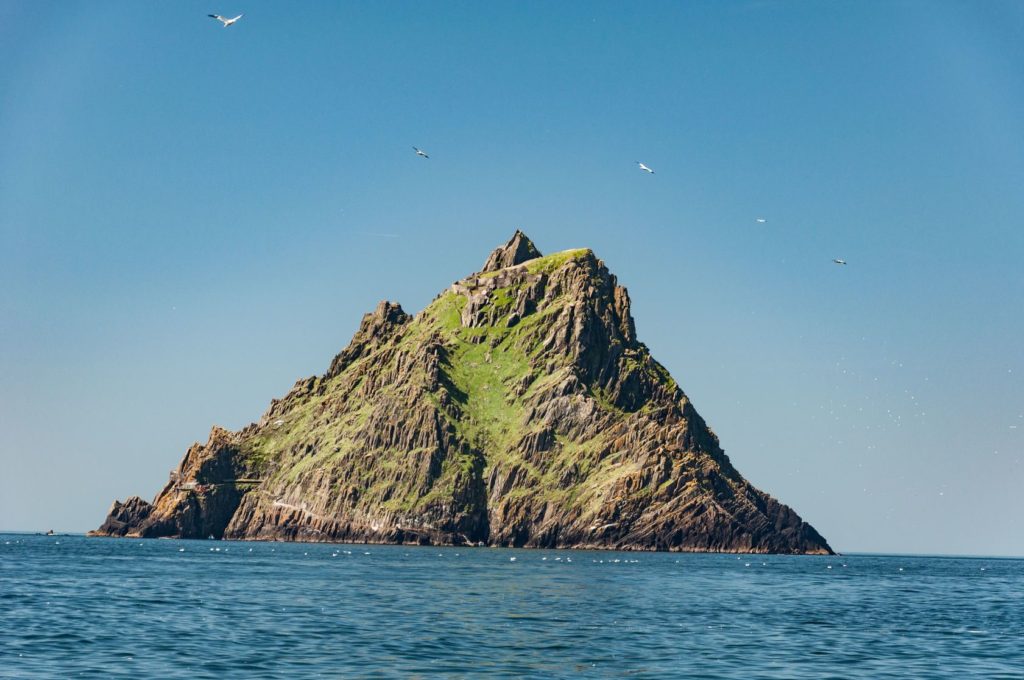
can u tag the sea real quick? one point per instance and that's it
(77, 607)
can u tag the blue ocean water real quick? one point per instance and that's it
(118, 608)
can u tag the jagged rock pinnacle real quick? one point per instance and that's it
(387, 312)
(375, 328)
(519, 249)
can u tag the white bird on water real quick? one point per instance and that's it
(420, 152)
(838, 261)
(226, 22)
(644, 168)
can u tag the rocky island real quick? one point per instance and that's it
(517, 409)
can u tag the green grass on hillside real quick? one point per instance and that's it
(484, 368)
(549, 263)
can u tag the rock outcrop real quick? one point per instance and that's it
(519, 249)
(517, 409)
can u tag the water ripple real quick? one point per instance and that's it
(95, 608)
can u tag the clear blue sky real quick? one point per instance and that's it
(194, 217)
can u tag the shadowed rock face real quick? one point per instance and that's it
(517, 409)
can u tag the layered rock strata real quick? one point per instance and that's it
(517, 409)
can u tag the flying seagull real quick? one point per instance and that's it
(644, 167)
(761, 220)
(838, 261)
(226, 22)
(420, 152)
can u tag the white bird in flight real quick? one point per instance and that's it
(761, 220)
(226, 22)
(420, 152)
(644, 167)
(838, 261)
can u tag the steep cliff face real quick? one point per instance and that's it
(517, 409)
